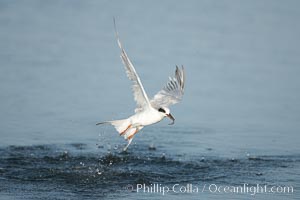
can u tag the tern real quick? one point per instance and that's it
(148, 111)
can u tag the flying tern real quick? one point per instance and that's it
(148, 111)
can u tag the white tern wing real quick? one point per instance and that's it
(172, 92)
(139, 93)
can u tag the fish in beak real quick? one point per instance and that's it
(172, 118)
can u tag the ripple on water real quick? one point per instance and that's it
(60, 167)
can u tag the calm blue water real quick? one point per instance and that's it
(60, 74)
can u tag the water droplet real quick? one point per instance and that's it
(108, 147)
(152, 147)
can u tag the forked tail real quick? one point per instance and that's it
(125, 129)
(120, 125)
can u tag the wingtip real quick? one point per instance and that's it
(183, 72)
(115, 26)
(177, 68)
(117, 34)
(180, 75)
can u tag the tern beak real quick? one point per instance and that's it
(172, 118)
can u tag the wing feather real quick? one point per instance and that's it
(172, 92)
(139, 93)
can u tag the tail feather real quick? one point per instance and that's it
(102, 123)
(123, 126)
(120, 125)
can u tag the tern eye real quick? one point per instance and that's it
(161, 110)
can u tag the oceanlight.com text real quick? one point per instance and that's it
(248, 189)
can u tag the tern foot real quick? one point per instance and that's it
(129, 142)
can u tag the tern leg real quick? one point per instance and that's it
(122, 133)
(129, 142)
(131, 136)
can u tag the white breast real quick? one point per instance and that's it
(147, 117)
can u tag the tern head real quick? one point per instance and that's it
(166, 113)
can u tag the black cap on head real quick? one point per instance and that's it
(161, 110)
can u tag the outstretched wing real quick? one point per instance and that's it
(172, 92)
(139, 93)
